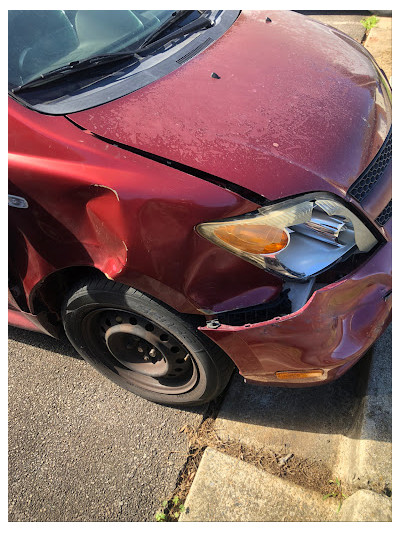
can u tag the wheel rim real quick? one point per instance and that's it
(139, 352)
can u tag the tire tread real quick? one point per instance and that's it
(96, 284)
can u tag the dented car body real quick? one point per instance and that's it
(149, 187)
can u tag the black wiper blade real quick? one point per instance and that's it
(200, 23)
(177, 15)
(151, 42)
(72, 67)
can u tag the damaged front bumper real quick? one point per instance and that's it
(330, 333)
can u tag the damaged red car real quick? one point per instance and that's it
(191, 191)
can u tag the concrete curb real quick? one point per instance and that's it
(269, 498)
(226, 489)
(366, 506)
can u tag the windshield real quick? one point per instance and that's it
(40, 41)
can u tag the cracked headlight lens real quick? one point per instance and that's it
(296, 238)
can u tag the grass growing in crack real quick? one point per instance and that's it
(172, 509)
(337, 492)
(369, 22)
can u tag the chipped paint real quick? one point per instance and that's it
(106, 187)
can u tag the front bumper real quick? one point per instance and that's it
(331, 332)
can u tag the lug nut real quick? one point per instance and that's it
(152, 352)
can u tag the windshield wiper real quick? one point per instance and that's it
(74, 66)
(177, 15)
(150, 42)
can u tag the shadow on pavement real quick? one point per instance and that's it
(325, 409)
(44, 342)
(329, 409)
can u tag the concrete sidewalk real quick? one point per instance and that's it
(344, 428)
(379, 44)
(350, 24)
(378, 40)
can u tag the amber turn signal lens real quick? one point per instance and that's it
(253, 238)
(299, 375)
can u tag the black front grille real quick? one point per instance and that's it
(371, 175)
(385, 215)
(258, 313)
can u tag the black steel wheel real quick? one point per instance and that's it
(143, 346)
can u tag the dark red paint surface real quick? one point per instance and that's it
(285, 117)
(92, 204)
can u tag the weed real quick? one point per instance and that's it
(370, 22)
(337, 492)
(171, 510)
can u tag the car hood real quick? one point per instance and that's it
(297, 106)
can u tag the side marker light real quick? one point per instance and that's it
(299, 375)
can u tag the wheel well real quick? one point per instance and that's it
(48, 296)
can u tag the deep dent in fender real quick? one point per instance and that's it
(104, 216)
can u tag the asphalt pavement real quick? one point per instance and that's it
(80, 447)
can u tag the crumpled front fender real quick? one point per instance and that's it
(331, 332)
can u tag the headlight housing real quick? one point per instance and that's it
(296, 238)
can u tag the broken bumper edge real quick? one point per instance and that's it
(331, 332)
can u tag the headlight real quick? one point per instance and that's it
(296, 238)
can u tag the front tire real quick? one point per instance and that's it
(143, 346)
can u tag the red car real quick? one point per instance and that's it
(195, 190)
